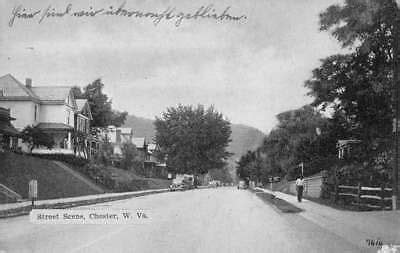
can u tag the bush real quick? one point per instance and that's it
(36, 137)
(73, 160)
(131, 185)
(130, 158)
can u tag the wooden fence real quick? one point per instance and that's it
(364, 197)
(312, 186)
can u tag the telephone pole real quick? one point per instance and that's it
(396, 93)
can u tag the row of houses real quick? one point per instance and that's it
(56, 111)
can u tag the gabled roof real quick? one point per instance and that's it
(139, 142)
(15, 89)
(83, 106)
(81, 103)
(7, 128)
(52, 93)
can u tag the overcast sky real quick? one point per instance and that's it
(250, 70)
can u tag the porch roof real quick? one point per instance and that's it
(54, 126)
(8, 129)
(344, 143)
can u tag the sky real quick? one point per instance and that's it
(250, 70)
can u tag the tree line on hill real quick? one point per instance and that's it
(357, 90)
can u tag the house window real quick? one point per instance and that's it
(36, 111)
(68, 118)
(2, 93)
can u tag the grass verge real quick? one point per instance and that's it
(281, 204)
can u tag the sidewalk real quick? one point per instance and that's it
(355, 227)
(21, 208)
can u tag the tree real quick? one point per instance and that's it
(194, 138)
(35, 137)
(131, 158)
(77, 92)
(246, 168)
(222, 175)
(293, 141)
(358, 85)
(100, 105)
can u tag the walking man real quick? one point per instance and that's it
(300, 188)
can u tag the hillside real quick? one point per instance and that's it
(142, 127)
(243, 137)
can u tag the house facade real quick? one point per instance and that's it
(85, 145)
(53, 109)
(154, 165)
(117, 136)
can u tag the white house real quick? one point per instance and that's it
(117, 136)
(50, 108)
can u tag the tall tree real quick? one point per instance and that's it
(358, 85)
(302, 135)
(194, 138)
(100, 105)
(131, 158)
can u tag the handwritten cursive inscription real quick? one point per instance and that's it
(169, 14)
(21, 13)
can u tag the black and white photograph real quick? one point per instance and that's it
(199, 126)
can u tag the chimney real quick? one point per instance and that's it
(28, 83)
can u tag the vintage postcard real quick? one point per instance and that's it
(199, 126)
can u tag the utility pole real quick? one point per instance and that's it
(302, 169)
(396, 84)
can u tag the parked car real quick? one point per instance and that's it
(214, 183)
(179, 187)
(172, 187)
(242, 185)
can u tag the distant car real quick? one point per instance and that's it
(172, 187)
(179, 187)
(242, 185)
(213, 183)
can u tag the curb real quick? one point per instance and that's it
(25, 210)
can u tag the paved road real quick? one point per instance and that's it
(208, 220)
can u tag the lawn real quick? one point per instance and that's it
(132, 182)
(53, 182)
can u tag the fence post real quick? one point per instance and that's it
(336, 197)
(382, 196)
(359, 195)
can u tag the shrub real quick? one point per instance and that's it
(36, 137)
(73, 160)
(131, 185)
